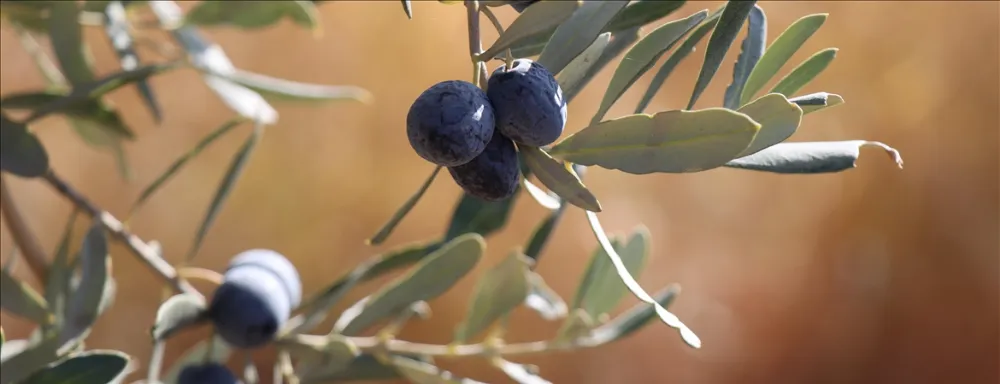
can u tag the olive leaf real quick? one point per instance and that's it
(66, 35)
(117, 28)
(642, 12)
(57, 282)
(383, 234)
(811, 157)
(672, 141)
(751, 50)
(805, 72)
(425, 373)
(85, 302)
(546, 199)
(334, 355)
(523, 374)
(631, 320)
(573, 76)
(730, 23)
(502, 289)
(601, 288)
(543, 299)
(252, 14)
(408, 8)
(93, 366)
(779, 52)
(17, 298)
(576, 326)
(778, 119)
(559, 178)
(177, 313)
(619, 42)
(21, 152)
(817, 101)
(534, 21)
(574, 35)
(475, 215)
(277, 89)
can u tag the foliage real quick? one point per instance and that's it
(573, 39)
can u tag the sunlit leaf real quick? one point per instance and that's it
(778, 119)
(577, 33)
(642, 12)
(252, 14)
(811, 157)
(778, 53)
(559, 178)
(60, 270)
(619, 42)
(537, 20)
(571, 77)
(21, 152)
(520, 373)
(335, 354)
(805, 72)
(408, 8)
(817, 101)
(601, 288)
(18, 298)
(280, 89)
(546, 199)
(66, 35)
(84, 304)
(730, 23)
(94, 366)
(177, 313)
(576, 326)
(502, 289)
(543, 299)
(633, 319)
(751, 50)
(424, 373)
(403, 210)
(117, 27)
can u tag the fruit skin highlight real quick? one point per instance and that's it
(206, 373)
(259, 290)
(494, 174)
(450, 123)
(528, 103)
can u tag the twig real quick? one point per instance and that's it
(25, 240)
(140, 248)
(475, 44)
(395, 346)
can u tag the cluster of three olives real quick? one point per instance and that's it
(473, 133)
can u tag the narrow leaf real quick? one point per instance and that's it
(778, 53)
(671, 141)
(94, 366)
(560, 179)
(633, 319)
(408, 8)
(252, 14)
(642, 12)
(502, 289)
(520, 373)
(200, 353)
(811, 157)
(805, 72)
(778, 119)
(85, 303)
(430, 278)
(21, 152)
(571, 77)
(60, 271)
(594, 273)
(547, 200)
(425, 373)
(363, 367)
(643, 56)
(544, 300)
(751, 50)
(576, 327)
(619, 42)
(177, 313)
(17, 298)
(117, 27)
(66, 35)
(817, 101)
(537, 20)
(403, 210)
(233, 174)
(335, 354)
(474, 215)
(577, 33)
(602, 288)
(182, 161)
(281, 89)
(540, 236)
(729, 26)
(668, 318)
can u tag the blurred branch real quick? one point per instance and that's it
(26, 241)
(475, 44)
(140, 248)
(377, 344)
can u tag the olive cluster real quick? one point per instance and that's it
(473, 133)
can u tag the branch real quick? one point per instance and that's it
(25, 240)
(376, 345)
(475, 44)
(140, 248)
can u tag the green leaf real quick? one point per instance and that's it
(66, 35)
(751, 50)
(619, 42)
(315, 362)
(574, 75)
(502, 289)
(534, 21)
(778, 119)
(805, 72)
(31, 15)
(117, 28)
(668, 318)
(475, 215)
(560, 179)
(540, 236)
(574, 35)
(543, 299)
(670, 142)
(592, 272)
(633, 319)
(642, 57)
(546, 199)
(17, 298)
(676, 57)
(408, 9)
(57, 282)
(362, 368)
(96, 122)
(94, 366)
(251, 14)
(383, 233)
(84, 303)
(576, 327)
(21, 358)
(3, 338)
(722, 38)
(811, 157)
(425, 373)
(601, 289)
(177, 313)
(174, 168)
(778, 53)
(280, 89)
(817, 101)
(430, 278)
(233, 174)
(21, 152)
(520, 373)
(642, 12)
(198, 354)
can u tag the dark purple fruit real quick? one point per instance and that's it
(259, 290)
(450, 123)
(209, 373)
(528, 103)
(494, 174)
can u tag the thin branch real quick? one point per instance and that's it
(475, 44)
(396, 346)
(25, 240)
(140, 248)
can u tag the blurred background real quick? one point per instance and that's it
(874, 275)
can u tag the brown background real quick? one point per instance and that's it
(876, 275)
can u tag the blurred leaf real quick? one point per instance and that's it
(3, 338)
(668, 318)
(633, 319)
(424, 373)
(543, 299)
(174, 168)
(601, 289)
(85, 302)
(805, 72)
(198, 354)
(502, 289)
(617, 242)
(430, 278)
(642, 12)
(117, 28)
(547, 200)
(571, 77)
(519, 372)
(250, 375)
(20, 299)
(32, 15)
(362, 368)
(751, 50)
(408, 9)
(252, 14)
(670, 142)
(817, 101)
(642, 57)
(475, 215)
(559, 178)
(619, 42)
(387, 228)
(534, 21)
(722, 38)
(575, 327)
(336, 354)
(21, 152)
(66, 35)
(280, 89)
(13, 348)
(542, 233)
(778, 119)
(675, 58)
(95, 120)
(60, 271)
(94, 366)
(779, 52)
(574, 35)
(233, 174)
(21, 358)
(811, 157)
(177, 313)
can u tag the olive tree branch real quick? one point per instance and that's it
(475, 44)
(375, 344)
(147, 253)
(24, 239)
(509, 62)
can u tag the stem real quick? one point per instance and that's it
(475, 44)
(509, 62)
(25, 240)
(140, 248)
(394, 346)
